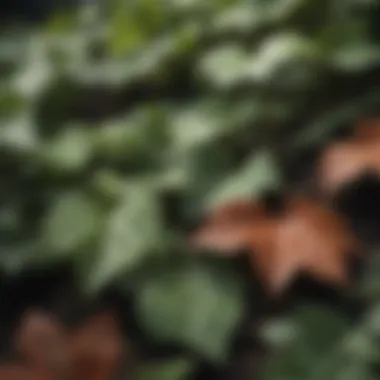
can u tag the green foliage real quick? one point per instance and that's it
(134, 229)
(68, 152)
(172, 370)
(326, 345)
(72, 222)
(118, 126)
(259, 174)
(194, 305)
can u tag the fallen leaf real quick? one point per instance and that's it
(50, 352)
(368, 130)
(305, 238)
(225, 228)
(346, 161)
(43, 343)
(97, 348)
(19, 372)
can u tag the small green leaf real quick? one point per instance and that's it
(134, 24)
(285, 51)
(324, 346)
(279, 332)
(60, 23)
(69, 151)
(194, 306)
(16, 257)
(73, 221)
(224, 66)
(11, 102)
(356, 58)
(178, 369)
(108, 183)
(244, 16)
(258, 174)
(36, 72)
(198, 125)
(19, 134)
(134, 229)
(280, 10)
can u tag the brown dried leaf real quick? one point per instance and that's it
(225, 229)
(18, 372)
(344, 162)
(305, 238)
(368, 130)
(97, 348)
(43, 343)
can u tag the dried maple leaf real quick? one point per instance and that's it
(18, 372)
(50, 352)
(224, 229)
(367, 130)
(305, 238)
(344, 162)
(43, 343)
(97, 348)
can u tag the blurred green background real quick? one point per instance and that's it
(123, 122)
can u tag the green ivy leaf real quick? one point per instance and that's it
(69, 151)
(198, 125)
(178, 369)
(311, 354)
(73, 221)
(244, 16)
(134, 230)
(224, 66)
(36, 71)
(11, 102)
(16, 257)
(194, 306)
(325, 345)
(134, 24)
(356, 58)
(258, 174)
(19, 134)
(289, 53)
